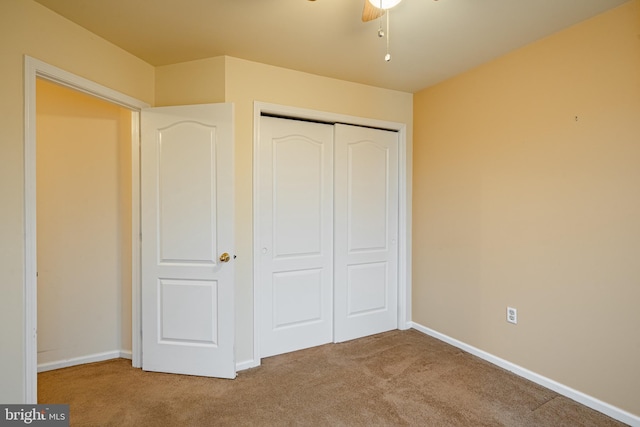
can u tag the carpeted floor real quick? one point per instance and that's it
(393, 379)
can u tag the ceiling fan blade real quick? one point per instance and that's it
(369, 13)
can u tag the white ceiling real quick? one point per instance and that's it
(429, 40)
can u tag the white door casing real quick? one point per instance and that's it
(366, 231)
(33, 69)
(296, 249)
(187, 224)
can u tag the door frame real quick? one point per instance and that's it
(33, 69)
(405, 161)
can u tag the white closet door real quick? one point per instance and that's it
(366, 231)
(295, 239)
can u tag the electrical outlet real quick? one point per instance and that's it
(512, 315)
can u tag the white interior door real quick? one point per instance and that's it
(187, 224)
(295, 240)
(366, 231)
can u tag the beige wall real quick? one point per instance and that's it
(84, 225)
(193, 82)
(27, 28)
(246, 82)
(527, 194)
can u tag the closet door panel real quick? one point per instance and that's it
(366, 231)
(296, 235)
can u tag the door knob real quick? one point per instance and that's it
(225, 257)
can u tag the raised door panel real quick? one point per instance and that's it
(297, 298)
(367, 180)
(297, 185)
(187, 197)
(367, 288)
(187, 312)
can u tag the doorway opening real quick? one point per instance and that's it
(34, 70)
(83, 192)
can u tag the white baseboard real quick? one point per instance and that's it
(578, 396)
(91, 358)
(247, 364)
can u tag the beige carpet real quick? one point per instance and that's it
(392, 379)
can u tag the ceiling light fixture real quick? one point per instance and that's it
(374, 9)
(384, 4)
